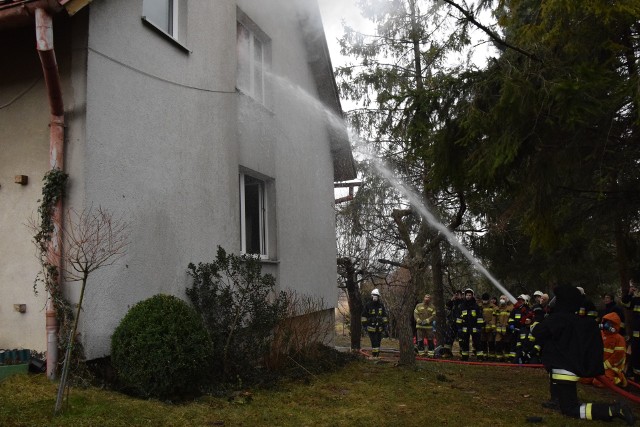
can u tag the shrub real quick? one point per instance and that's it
(161, 349)
(240, 311)
(306, 323)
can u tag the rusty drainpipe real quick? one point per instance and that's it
(44, 42)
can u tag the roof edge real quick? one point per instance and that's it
(320, 62)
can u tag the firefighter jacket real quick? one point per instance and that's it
(588, 309)
(530, 347)
(632, 302)
(489, 316)
(453, 310)
(538, 313)
(568, 341)
(424, 315)
(518, 316)
(470, 320)
(502, 318)
(614, 349)
(374, 317)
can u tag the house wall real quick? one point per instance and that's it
(24, 150)
(158, 135)
(298, 153)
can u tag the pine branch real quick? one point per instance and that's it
(495, 37)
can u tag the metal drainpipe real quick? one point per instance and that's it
(44, 42)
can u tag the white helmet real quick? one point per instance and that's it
(537, 294)
(375, 292)
(524, 297)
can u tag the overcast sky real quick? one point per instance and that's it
(333, 13)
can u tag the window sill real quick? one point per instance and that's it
(166, 35)
(262, 259)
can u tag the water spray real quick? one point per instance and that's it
(414, 198)
(416, 201)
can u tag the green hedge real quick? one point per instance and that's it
(161, 349)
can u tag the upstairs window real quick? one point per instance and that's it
(163, 14)
(253, 215)
(253, 58)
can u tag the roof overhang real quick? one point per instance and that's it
(19, 13)
(320, 61)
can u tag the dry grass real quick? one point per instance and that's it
(363, 393)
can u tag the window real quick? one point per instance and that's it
(167, 18)
(253, 59)
(253, 215)
(163, 14)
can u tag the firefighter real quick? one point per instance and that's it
(572, 348)
(488, 332)
(528, 349)
(537, 308)
(609, 306)
(615, 354)
(451, 329)
(517, 320)
(374, 321)
(469, 323)
(503, 336)
(587, 307)
(424, 315)
(632, 301)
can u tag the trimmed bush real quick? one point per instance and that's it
(161, 349)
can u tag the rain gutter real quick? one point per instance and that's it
(44, 44)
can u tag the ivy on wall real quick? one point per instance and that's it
(53, 190)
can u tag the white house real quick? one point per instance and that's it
(204, 123)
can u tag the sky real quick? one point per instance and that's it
(333, 13)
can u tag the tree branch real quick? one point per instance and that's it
(495, 37)
(393, 263)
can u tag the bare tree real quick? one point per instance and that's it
(91, 239)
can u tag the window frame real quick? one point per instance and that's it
(176, 22)
(263, 215)
(254, 34)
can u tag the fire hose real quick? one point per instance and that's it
(611, 386)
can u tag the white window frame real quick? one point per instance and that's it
(172, 19)
(249, 58)
(263, 230)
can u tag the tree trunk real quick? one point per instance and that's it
(405, 337)
(355, 310)
(354, 299)
(405, 331)
(438, 292)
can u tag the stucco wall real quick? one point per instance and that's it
(300, 156)
(160, 149)
(24, 150)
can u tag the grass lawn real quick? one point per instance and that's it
(363, 393)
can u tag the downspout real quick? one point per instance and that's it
(44, 42)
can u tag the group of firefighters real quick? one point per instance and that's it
(497, 329)
(500, 331)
